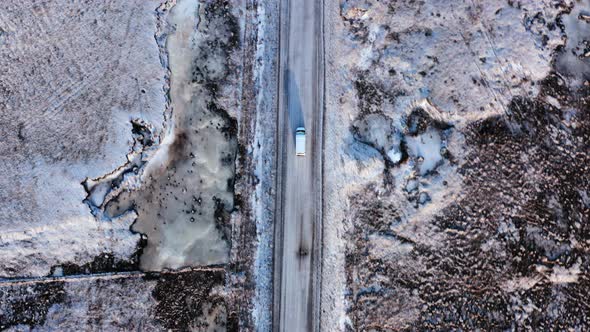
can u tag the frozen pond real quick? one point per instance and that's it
(191, 177)
(186, 193)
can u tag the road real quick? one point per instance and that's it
(299, 189)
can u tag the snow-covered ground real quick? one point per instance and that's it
(120, 142)
(73, 79)
(124, 302)
(263, 152)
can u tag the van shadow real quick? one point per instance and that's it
(296, 118)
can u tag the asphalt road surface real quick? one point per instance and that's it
(298, 227)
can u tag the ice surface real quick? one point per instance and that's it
(426, 147)
(188, 184)
(575, 58)
(563, 275)
(379, 132)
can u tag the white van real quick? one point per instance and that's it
(300, 141)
